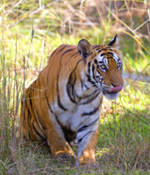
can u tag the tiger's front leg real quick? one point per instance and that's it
(57, 142)
(58, 145)
(86, 149)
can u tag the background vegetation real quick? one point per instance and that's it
(29, 31)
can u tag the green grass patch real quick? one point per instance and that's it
(123, 144)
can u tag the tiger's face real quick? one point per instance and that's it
(104, 67)
(107, 71)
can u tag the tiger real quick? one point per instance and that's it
(63, 105)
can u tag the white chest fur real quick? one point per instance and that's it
(80, 115)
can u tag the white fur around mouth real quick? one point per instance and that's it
(111, 96)
(115, 89)
(111, 92)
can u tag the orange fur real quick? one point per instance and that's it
(52, 100)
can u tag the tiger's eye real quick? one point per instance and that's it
(103, 66)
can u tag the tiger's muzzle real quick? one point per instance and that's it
(115, 89)
(112, 92)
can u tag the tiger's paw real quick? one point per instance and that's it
(87, 160)
(65, 156)
(87, 163)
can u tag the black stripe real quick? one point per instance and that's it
(74, 94)
(86, 86)
(75, 54)
(69, 92)
(89, 65)
(82, 84)
(58, 96)
(34, 110)
(106, 53)
(53, 53)
(86, 126)
(66, 51)
(99, 49)
(57, 87)
(70, 89)
(85, 136)
(88, 75)
(57, 49)
(69, 134)
(38, 116)
(89, 79)
(93, 69)
(96, 46)
(71, 83)
(95, 61)
(91, 97)
(59, 123)
(34, 114)
(76, 66)
(104, 48)
(91, 112)
(37, 132)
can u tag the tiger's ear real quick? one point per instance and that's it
(113, 42)
(84, 48)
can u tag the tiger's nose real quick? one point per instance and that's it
(116, 84)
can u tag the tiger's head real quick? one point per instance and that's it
(104, 66)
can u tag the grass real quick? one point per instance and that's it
(28, 34)
(125, 131)
(123, 146)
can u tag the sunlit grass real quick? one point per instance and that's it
(141, 65)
